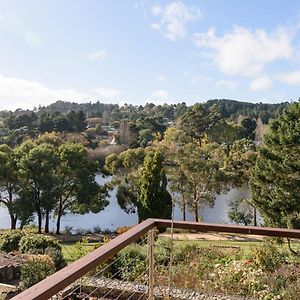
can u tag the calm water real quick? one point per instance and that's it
(113, 216)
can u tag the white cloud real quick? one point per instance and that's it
(228, 84)
(246, 52)
(262, 83)
(19, 93)
(161, 78)
(173, 19)
(98, 55)
(292, 78)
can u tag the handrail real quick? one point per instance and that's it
(66, 276)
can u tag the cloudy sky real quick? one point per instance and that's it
(148, 51)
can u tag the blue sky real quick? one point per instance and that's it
(148, 51)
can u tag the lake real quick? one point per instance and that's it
(113, 216)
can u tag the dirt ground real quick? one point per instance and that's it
(213, 237)
(8, 259)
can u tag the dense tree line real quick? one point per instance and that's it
(194, 152)
(48, 176)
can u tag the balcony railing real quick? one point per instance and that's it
(54, 284)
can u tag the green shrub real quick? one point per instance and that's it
(268, 256)
(9, 240)
(35, 270)
(35, 242)
(80, 249)
(163, 249)
(57, 257)
(131, 262)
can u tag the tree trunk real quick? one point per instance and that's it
(13, 221)
(47, 221)
(254, 216)
(58, 223)
(39, 215)
(184, 211)
(196, 213)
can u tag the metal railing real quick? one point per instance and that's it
(55, 283)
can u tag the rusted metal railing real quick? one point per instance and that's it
(68, 275)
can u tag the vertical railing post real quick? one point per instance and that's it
(151, 264)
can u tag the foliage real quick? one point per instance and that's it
(9, 240)
(9, 178)
(131, 263)
(37, 178)
(197, 120)
(154, 199)
(123, 229)
(201, 167)
(275, 177)
(35, 270)
(32, 242)
(57, 257)
(224, 271)
(80, 249)
(268, 256)
(76, 189)
(240, 212)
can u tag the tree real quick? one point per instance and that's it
(145, 136)
(275, 178)
(196, 121)
(38, 181)
(202, 168)
(45, 123)
(154, 200)
(225, 132)
(249, 125)
(240, 212)
(77, 121)
(241, 158)
(76, 190)
(126, 169)
(180, 184)
(9, 178)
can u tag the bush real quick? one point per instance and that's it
(131, 262)
(123, 229)
(35, 270)
(57, 258)
(9, 240)
(163, 251)
(80, 249)
(37, 242)
(268, 256)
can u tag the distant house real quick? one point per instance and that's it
(113, 141)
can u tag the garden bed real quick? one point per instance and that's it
(115, 289)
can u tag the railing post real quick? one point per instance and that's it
(151, 264)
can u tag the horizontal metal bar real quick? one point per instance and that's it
(63, 278)
(251, 230)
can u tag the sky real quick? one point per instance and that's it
(130, 51)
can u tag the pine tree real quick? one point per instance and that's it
(154, 200)
(275, 179)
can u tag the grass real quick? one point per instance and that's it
(69, 250)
